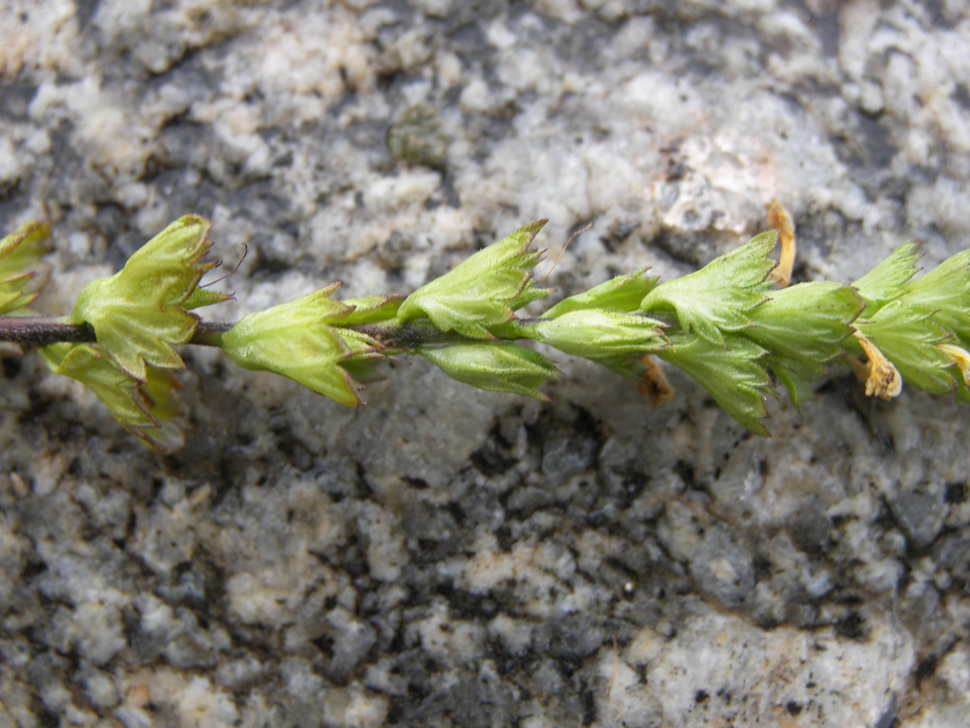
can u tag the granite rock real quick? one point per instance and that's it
(451, 557)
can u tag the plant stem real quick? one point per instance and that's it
(45, 330)
(209, 333)
(409, 335)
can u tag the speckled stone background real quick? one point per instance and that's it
(446, 557)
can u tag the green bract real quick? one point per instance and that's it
(139, 314)
(908, 318)
(720, 296)
(623, 293)
(371, 309)
(149, 410)
(482, 291)
(803, 327)
(497, 366)
(713, 308)
(20, 254)
(907, 336)
(297, 339)
(885, 282)
(734, 373)
(597, 334)
(945, 291)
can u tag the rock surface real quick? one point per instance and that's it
(446, 556)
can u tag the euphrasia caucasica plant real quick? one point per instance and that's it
(735, 326)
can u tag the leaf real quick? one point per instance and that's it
(481, 291)
(149, 410)
(720, 296)
(623, 293)
(734, 373)
(21, 273)
(803, 327)
(497, 366)
(908, 336)
(911, 320)
(806, 322)
(595, 334)
(946, 291)
(138, 314)
(885, 282)
(295, 339)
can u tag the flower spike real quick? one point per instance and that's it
(727, 325)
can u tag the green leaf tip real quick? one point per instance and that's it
(140, 313)
(296, 339)
(371, 309)
(497, 366)
(204, 297)
(482, 291)
(22, 274)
